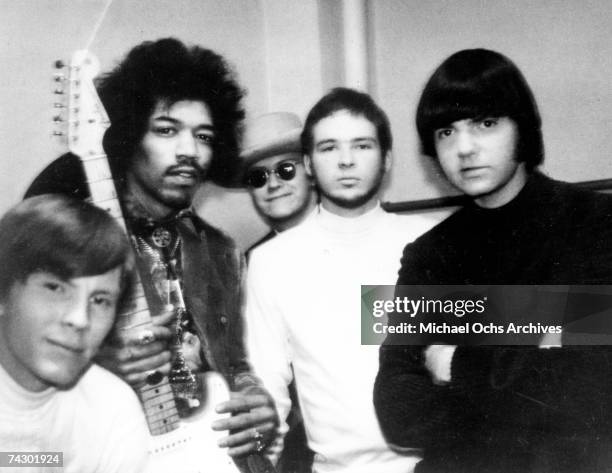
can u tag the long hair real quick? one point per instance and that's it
(478, 83)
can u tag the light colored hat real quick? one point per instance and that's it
(270, 135)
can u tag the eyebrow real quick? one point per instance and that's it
(175, 121)
(352, 140)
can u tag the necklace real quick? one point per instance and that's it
(163, 263)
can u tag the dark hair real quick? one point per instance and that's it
(478, 83)
(356, 103)
(167, 70)
(64, 236)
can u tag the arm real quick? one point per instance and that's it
(267, 339)
(254, 419)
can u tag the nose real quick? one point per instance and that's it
(76, 312)
(466, 146)
(273, 181)
(346, 157)
(186, 146)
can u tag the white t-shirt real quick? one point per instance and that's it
(98, 424)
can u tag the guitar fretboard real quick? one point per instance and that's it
(157, 400)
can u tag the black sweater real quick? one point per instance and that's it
(508, 409)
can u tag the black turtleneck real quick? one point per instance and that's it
(550, 233)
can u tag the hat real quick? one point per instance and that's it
(270, 135)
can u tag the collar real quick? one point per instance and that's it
(355, 226)
(529, 197)
(141, 221)
(18, 397)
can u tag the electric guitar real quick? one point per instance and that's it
(178, 445)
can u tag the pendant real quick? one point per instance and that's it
(161, 237)
(183, 382)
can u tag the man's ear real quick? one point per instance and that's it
(308, 166)
(388, 161)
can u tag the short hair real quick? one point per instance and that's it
(356, 103)
(168, 70)
(479, 83)
(64, 236)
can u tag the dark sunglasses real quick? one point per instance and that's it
(258, 176)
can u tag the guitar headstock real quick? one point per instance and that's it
(81, 117)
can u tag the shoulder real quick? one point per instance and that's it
(113, 410)
(275, 258)
(212, 233)
(101, 386)
(408, 226)
(448, 229)
(425, 256)
(285, 241)
(578, 198)
(268, 236)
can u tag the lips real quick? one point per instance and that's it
(74, 348)
(472, 171)
(348, 180)
(186, 174)
(277, 197)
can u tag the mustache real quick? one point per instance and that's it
(192, 167)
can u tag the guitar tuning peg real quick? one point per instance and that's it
(58, 91)
(59, 77)
(59, 64)
(58, 133)
(58, 105)
(57, 119)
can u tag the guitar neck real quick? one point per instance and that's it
(157, 400)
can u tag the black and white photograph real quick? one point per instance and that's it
(196, 195)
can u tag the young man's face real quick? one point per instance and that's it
(479, 158)
(347, 163)
(173, 156)
(51, 328)
(279, 200)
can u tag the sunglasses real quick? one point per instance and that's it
(257, 177)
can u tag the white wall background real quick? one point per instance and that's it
(288, 52)
(563, 47)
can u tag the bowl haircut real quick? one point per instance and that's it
(64, 236)
(477, 84)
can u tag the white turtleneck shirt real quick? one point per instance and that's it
(97, 424)
(304, 320)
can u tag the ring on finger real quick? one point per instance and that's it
(259, 443)
(145, 337)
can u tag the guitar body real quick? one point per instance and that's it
(187, 449)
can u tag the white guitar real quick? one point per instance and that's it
(178, 445)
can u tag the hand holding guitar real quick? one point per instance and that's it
(253, 422)
(142, 355)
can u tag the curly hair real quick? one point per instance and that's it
(476, 83)
(168, 70)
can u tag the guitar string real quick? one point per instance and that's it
(98, 24)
